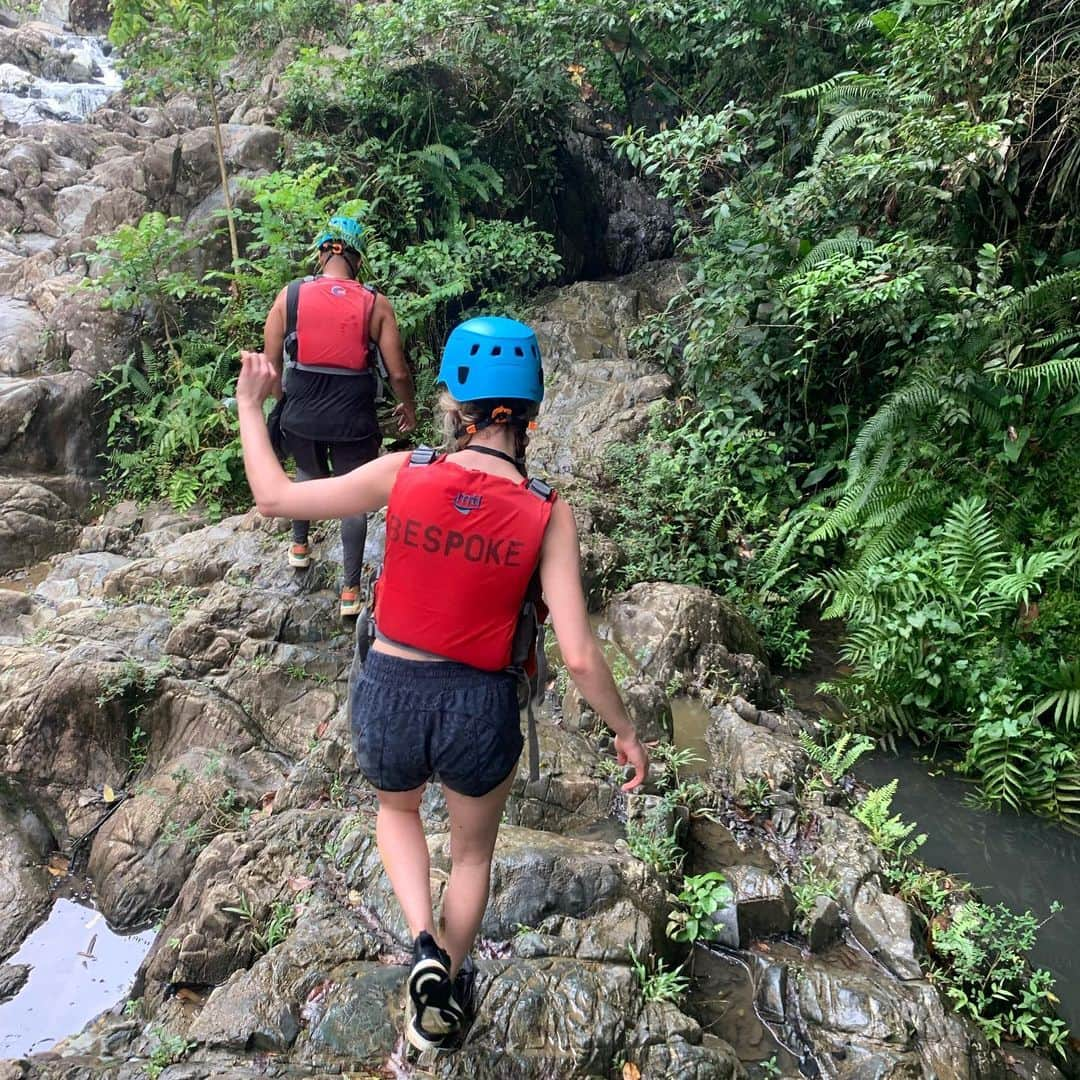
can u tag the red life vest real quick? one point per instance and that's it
(461, 548)
(332, 324)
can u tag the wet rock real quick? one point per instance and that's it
(686, 632)
(843, 853)
(34, 524)
(823, 925)
(883, 925)
(668, 1043)
(569, 796)
(584, 898)
(57, 738)
(250, 1011)
(743, 753)
(20, 329)
(12, 979)
(144, 852)
(609, 221)
(24, 884)
(597, 395)
(857, 1024)
(764, 903)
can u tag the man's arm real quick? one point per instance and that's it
(274, 337)
(385, 333)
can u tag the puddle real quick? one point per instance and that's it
(25, 581)
(689, 722)
(723, 1003)
(80, 967)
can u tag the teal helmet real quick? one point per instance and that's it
(346, 230)
(492, 358)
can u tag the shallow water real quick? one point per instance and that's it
(80, 968)
(29, 99)
(1019, 860)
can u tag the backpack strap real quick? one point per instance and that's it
(292, 304)
(540, 489)
(423, 455)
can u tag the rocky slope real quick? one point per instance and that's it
(189, 670)
(172, 712)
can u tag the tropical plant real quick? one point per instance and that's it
(701, 896)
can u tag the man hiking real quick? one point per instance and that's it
(321, 335)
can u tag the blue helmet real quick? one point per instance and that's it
(347, 230)
(492, 358)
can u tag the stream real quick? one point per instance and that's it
(1015, 859)
(26, 98)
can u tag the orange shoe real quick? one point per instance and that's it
(300, 556)
(350, 603)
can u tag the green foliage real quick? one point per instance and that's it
(890, 833)
(984, 974)
(835, 759)
(167, 1050)
(700, 897)
(810, 885)
(652, 843)
(659, 984)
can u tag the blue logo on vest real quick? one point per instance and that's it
(338, 290)
(466, 504)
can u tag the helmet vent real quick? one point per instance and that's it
(518, 350)
(496, 350)
(474, 350)
(462, 375)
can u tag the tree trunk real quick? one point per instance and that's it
(234, 244)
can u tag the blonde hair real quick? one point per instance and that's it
(457, 416)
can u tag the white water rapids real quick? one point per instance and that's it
(26, 98)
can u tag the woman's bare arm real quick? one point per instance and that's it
(360, 491)
(560, 576)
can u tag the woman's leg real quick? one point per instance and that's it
(404, 852)
(474, 825)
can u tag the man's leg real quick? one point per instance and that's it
(474, 825)
(311, 464)
(344, 458)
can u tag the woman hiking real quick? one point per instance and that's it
(465, 534)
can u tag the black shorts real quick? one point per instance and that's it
(415, 719)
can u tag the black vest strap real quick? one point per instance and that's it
(424, 455)
(492, 452)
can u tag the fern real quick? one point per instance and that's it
(835, 759)
(1000, 753)
(888, 831)
(971, 545)
(1064, 697)
(841, 125)
(826, 250)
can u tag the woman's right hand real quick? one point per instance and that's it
(258, 380)
(629, 750)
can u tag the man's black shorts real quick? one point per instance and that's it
(415, 719)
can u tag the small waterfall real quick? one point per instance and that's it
(26, 98)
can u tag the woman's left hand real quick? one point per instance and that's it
(259, 379)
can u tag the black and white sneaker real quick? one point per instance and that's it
(435, 1013)
(465, 989)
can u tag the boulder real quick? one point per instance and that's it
(742, 753)
(882, 923)
(34, 524)
(687, 631)
(24, 884)
(762, 900)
